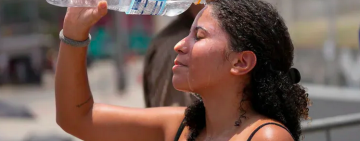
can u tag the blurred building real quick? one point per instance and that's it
(23, 42)
(325, 35)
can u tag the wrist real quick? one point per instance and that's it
(75, 43)
(76, 33)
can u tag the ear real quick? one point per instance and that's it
(243, 63)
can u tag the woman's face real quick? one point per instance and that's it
(201, 62)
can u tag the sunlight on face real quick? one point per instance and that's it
(201, 62)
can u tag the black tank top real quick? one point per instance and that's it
(182, 126)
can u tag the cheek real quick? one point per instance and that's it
(206, 63)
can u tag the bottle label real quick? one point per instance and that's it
(146, 7)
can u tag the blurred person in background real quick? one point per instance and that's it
(159, 59)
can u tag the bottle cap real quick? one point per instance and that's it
(198, 2)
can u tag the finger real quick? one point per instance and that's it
(101, 9)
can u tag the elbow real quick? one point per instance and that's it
(70, 126)
(63, 124)
(76, 126)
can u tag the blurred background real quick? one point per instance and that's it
(325, 34)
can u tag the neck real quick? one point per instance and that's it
(217, 118)
(221, 112)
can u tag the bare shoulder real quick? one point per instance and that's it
(272, 132)
(172, 118)
(173, 121)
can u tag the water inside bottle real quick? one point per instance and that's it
(87, 3)
(174, 8)
(170, 8)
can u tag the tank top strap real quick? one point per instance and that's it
(273, 123)
(182, 126)
(180, 130)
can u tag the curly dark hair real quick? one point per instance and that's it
(256, 26)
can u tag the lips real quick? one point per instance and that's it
(178, 63)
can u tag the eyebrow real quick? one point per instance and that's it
(199, 27)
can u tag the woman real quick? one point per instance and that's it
(159, 59)
(237, 58)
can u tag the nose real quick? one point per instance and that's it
(181, 47)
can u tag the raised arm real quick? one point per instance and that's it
(76, 112)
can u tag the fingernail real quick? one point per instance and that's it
(103, 5)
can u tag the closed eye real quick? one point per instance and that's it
(200, 33)
(197, 37)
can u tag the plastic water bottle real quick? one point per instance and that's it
(137, 7)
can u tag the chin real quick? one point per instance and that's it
(180, 84)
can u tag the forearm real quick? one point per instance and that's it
(72, 92)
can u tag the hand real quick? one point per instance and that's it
(79, 20)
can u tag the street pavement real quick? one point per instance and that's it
(326, 101)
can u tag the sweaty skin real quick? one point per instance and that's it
(78, 115)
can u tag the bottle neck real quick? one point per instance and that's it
(196, 2)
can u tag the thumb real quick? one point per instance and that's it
(101, 10)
